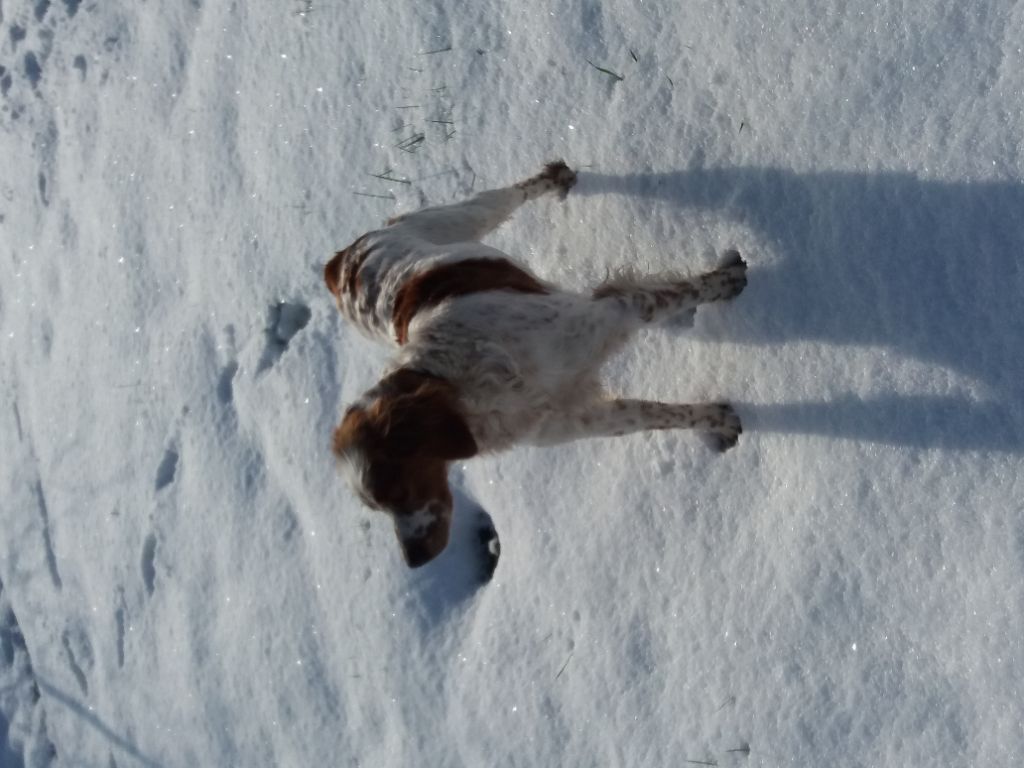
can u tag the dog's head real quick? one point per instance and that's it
(395, 445)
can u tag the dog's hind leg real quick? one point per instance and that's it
(485, 212)
(717, 422)
(656, 299)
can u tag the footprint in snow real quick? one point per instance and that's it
(119, 626)
(284, 321)
(147, 563)
(226, 383)
(79, 654)
(168, 468)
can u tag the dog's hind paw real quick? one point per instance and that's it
(732, 275)
(719, 442)
(725, 429)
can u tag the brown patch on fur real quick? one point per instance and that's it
(347, 263)
(430, 288)
(608, 289)
(406, 436)
(404, 440)
(352, 277)
(332, 270)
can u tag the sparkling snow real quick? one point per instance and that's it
(186, 580)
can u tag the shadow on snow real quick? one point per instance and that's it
(87, 716)
(448, 582)
(931, 270)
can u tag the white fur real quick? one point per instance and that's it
(525, 366)
(417, 524)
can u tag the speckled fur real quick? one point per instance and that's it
(520, 367)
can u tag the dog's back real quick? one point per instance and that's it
(383, 279)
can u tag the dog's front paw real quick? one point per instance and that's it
(732, 273)
(724, 428)
(560, 175)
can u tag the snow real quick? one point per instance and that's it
(186, 580)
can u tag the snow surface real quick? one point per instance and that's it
(186, 580)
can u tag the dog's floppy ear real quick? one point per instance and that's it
(332, 272)
(426, 422)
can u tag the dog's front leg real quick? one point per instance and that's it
(608, 418)
(486, 211)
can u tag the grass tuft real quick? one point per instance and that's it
(614, 75)
(564, 666)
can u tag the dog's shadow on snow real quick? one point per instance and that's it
(931, 270)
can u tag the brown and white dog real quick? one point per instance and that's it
(489, 355)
